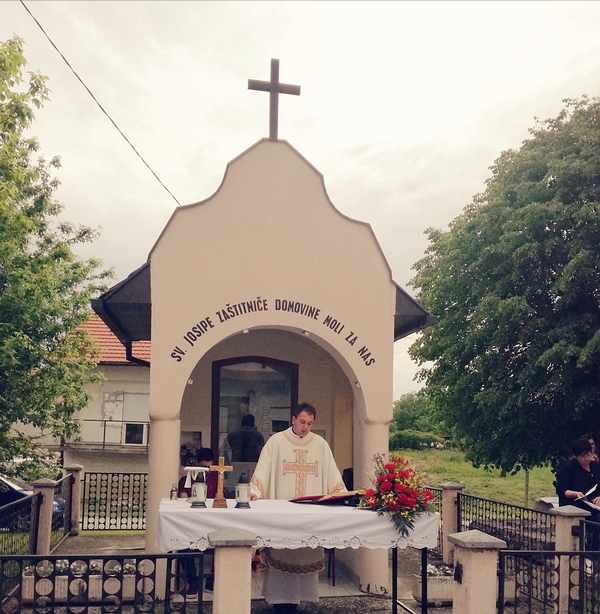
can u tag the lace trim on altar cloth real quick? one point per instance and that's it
(354, 543)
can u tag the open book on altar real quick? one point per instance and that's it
(349, 497)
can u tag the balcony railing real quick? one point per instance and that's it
(111, 434)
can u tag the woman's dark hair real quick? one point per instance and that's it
(205, 454)
(581, 446)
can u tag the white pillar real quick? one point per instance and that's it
(450, 492)
(568, 518)
(163, 470)
(76, 472)
(373, 567)
(232, 590)
(46, 487)
(475, 577)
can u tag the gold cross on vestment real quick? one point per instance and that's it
(219, 500)
(301, 468)
(274, 88)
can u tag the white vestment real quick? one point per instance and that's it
(290, 466)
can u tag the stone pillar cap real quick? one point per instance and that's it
(570, 510)
(231, 537)
(452, 486)
(476, 540)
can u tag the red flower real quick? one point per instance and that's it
(427, 495)
(390, 467)
(385, 486)
(411, 502)
(393, 506)
(398, 487)
(369, 493)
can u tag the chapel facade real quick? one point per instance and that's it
(257, 298)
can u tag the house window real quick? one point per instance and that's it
(135, 434)
(135, 419)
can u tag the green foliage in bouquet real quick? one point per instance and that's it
(397, 493)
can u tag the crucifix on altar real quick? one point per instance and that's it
(219, 500)
(274, 88)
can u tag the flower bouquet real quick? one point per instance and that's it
(397, 492)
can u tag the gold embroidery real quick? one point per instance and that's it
(301, 468)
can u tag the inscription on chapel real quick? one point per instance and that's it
(238, 310)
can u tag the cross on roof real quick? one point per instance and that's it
(275, 88)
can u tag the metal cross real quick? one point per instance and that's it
(301, 468)
(275, 88)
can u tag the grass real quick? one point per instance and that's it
(439, 466)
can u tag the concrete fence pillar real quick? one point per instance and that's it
(567, 539)
(475, 577)
(46, 487)
(232, 591)
(76, 472)
(450, 492)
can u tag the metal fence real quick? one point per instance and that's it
(435, 505)
(75, 583)
(19, 525)
(114, 501)
(61, 510)
(521, 528)
(540, 582)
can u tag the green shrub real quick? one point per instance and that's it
(414, 440)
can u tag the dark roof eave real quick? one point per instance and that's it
(409, 316)
(126, 307)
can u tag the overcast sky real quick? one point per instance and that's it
(404, 105)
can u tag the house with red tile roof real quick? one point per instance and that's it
(114, 426)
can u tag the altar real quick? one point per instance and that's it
(282, 524)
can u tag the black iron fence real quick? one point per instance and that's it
(521, 528)
(75, 583)
(540, 582)
(19, 525)
(114, 501)
(435, 505)
(61, 510)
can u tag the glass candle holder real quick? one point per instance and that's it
(242, 493)
(199, 491)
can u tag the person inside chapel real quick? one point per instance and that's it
(294, 463)
(247, 442)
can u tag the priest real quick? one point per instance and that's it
(294, 463)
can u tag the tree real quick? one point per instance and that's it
(412, 411)
(515, 283)
(45, 289)
(413, 425)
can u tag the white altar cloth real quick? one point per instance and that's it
(281, 524)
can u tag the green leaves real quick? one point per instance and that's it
(45, 288)
(515, 284)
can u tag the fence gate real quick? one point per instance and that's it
(114, 501)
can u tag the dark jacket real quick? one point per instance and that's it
(572, 476)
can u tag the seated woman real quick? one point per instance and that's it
(574, 479)
(205, 457)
